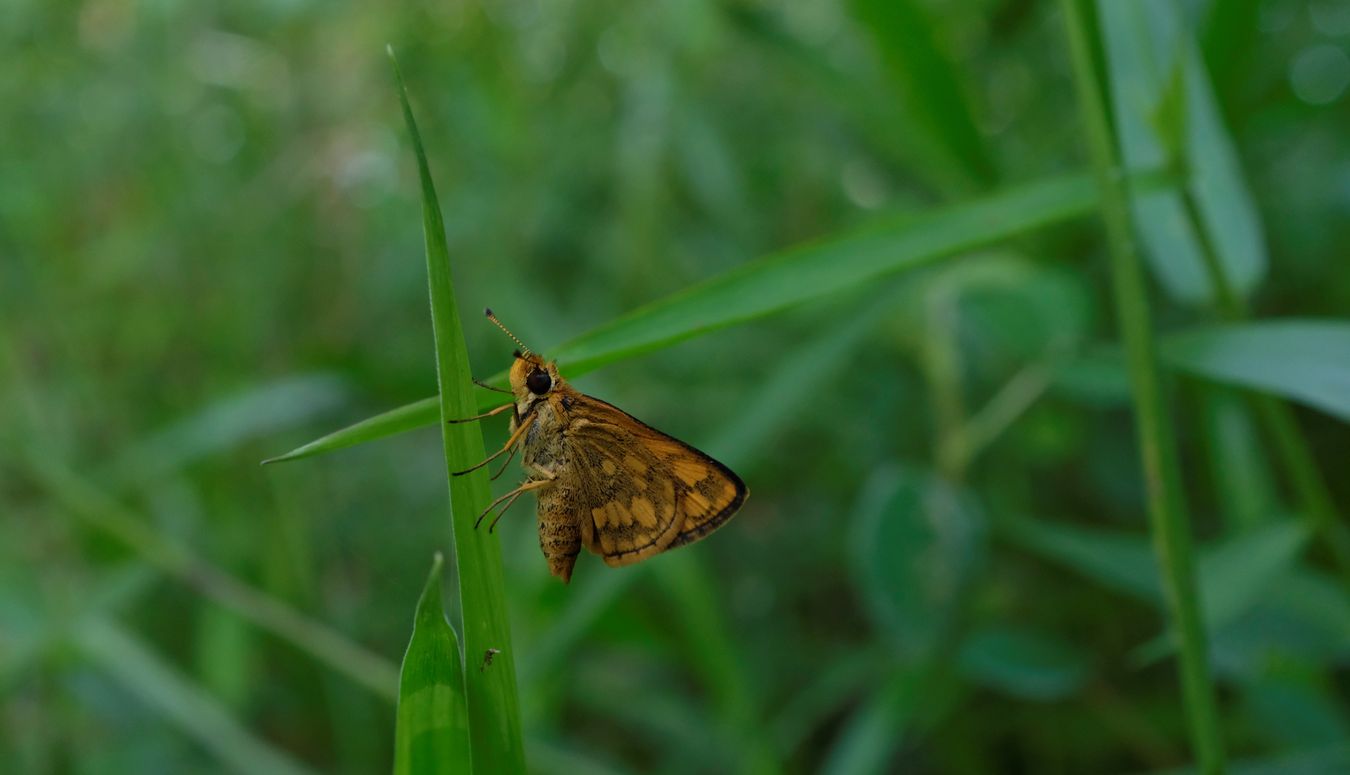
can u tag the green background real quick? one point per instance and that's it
(211, 252)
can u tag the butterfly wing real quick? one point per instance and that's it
(642, 491)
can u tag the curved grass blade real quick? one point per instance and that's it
(1303, 360)
(432, 734)
(779, 281)
(494, 716)
(1160, 96)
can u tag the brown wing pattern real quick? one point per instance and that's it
(643, 492)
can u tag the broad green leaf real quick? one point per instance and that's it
(1023, 663)
(494, 717)
(1303, 360)
(1148, 50)
(432, 734)
(780, 281)
(916, 545)
(148, 678)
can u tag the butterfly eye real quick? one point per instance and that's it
(538, 382)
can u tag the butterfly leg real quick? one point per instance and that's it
(510, 498)
(498, 410)
(511, 442)
(480, 383)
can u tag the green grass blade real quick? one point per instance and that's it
(100, 511)
(1149, 52)
(432, 733)
(143, 674)
(909, 43)
(1307, 361)
(783, 280)
(494, 716)
(418, 414)
(1162, 476)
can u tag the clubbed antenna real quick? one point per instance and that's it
(523, 349)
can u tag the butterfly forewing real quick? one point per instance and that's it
(641, 491)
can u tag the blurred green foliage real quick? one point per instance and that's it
(210, 252)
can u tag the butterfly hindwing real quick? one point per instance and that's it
(641, 491)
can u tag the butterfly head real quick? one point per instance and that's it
(531, 376)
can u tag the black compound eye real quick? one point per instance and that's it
(539, 382)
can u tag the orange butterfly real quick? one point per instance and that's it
(603, 479)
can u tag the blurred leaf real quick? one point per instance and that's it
(1291, 713)
(780, 281)
(1316, 761)
(432, 733)
(912, 700)
(797, 378)
(1303, 360)
(1146, 42)
(1116, 559)
(97, 509)
(1239, 468)
(909, 42)
(1237, 570)
(494, 716)
(1023, 663)
(696, 608)
(226, 423)
(1302, 615)
(916, 545)
(1232, 573)
(1096, 377)
(144, 675)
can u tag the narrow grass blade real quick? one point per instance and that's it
(780, 281)
(1303, 360)
(909, 43)
(100, 511)
(1150, 54)
(695, 606)
(418, 414)
(144, 675)
(432, 734)
(494, 716)
(1169, 524)
(905, 704)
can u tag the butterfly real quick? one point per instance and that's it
(603, 479)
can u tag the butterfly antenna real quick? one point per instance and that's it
(523, 349)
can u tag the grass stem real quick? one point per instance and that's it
(1166, 506)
